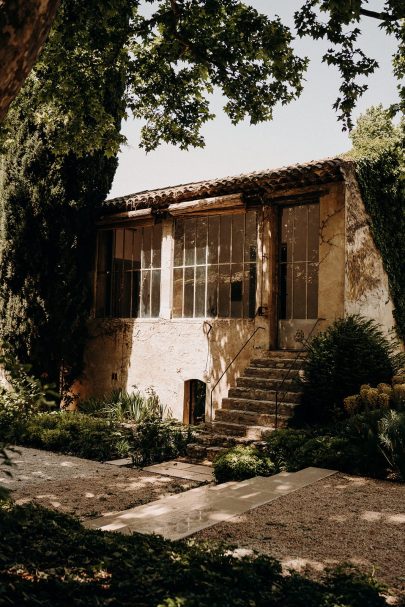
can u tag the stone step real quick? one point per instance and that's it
(271, 373)
(276, 363)
(263, 383)
(284, 354)
(252, 393)
(196, 452)
(259, 406)
(250, 418)
(213, 452)
(251, 432)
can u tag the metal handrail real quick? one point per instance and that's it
(304, 341)
(231, 363)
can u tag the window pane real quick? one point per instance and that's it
(188, 292)
(249, 290)
(313, 232)
(156, 245)
(177, 293)
(237, 291)
(224, 291)
(137, 249)
(213, 239)
(200, 291)
(299, 290)
(238, 228)
(104, 261)
(155, 293)
(145, 294)
(201, 240)
(119, 244)
(189, 242)
(104, 252)
(136, 289)
(289, 291)
(312, 290)
(212, 290)
(128, 241)
(250, 237)
(300, 233)
(146, 248)
(287, 224)
(225, 239)
(117, 288)
(178, 242)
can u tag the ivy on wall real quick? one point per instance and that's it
(383, 191)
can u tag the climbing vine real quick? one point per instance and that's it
(383, 191)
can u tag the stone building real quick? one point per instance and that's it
(186, 276)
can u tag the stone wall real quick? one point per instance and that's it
(366, 282)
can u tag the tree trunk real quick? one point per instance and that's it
(24, 26)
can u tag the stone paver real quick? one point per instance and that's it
(120, 463)
(181, 515)
(179, 469)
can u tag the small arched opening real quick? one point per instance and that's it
(194, 401)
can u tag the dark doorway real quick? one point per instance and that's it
(194, 402)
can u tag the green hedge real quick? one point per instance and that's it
(50, 560)
(239, 463)
(72, 433)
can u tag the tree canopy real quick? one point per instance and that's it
(174, 57)
(375, 133)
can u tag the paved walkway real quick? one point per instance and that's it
(177, 469)
(181, 515)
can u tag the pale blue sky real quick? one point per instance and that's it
(305, 130)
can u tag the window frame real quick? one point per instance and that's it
(151, 270)
(247, 302)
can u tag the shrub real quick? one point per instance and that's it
(352, 446)
(351, 352)
(293, 450)
(157, 440)
(391, 435)
(240, 462)
(74, 434)
(72, 565)
(369, 398)
(123, 406)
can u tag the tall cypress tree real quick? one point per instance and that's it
(49, 201)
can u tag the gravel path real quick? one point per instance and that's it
(83, 487)
(339, 519)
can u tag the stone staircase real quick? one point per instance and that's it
(248, 414)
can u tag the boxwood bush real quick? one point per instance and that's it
(241, 462)
(48, 559)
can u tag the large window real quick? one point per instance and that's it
(299, 261)
(215, 266)
(128, 272)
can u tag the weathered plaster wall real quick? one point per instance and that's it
(162, 354)
(366, 282)
(331, 255)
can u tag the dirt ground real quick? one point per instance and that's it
(338, 519)
(82, 487)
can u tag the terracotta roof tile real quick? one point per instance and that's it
(259, 182)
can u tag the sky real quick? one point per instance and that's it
(304, 130)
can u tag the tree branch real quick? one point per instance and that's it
(24, 26)
(380, 16)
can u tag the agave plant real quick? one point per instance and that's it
(391, 436)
